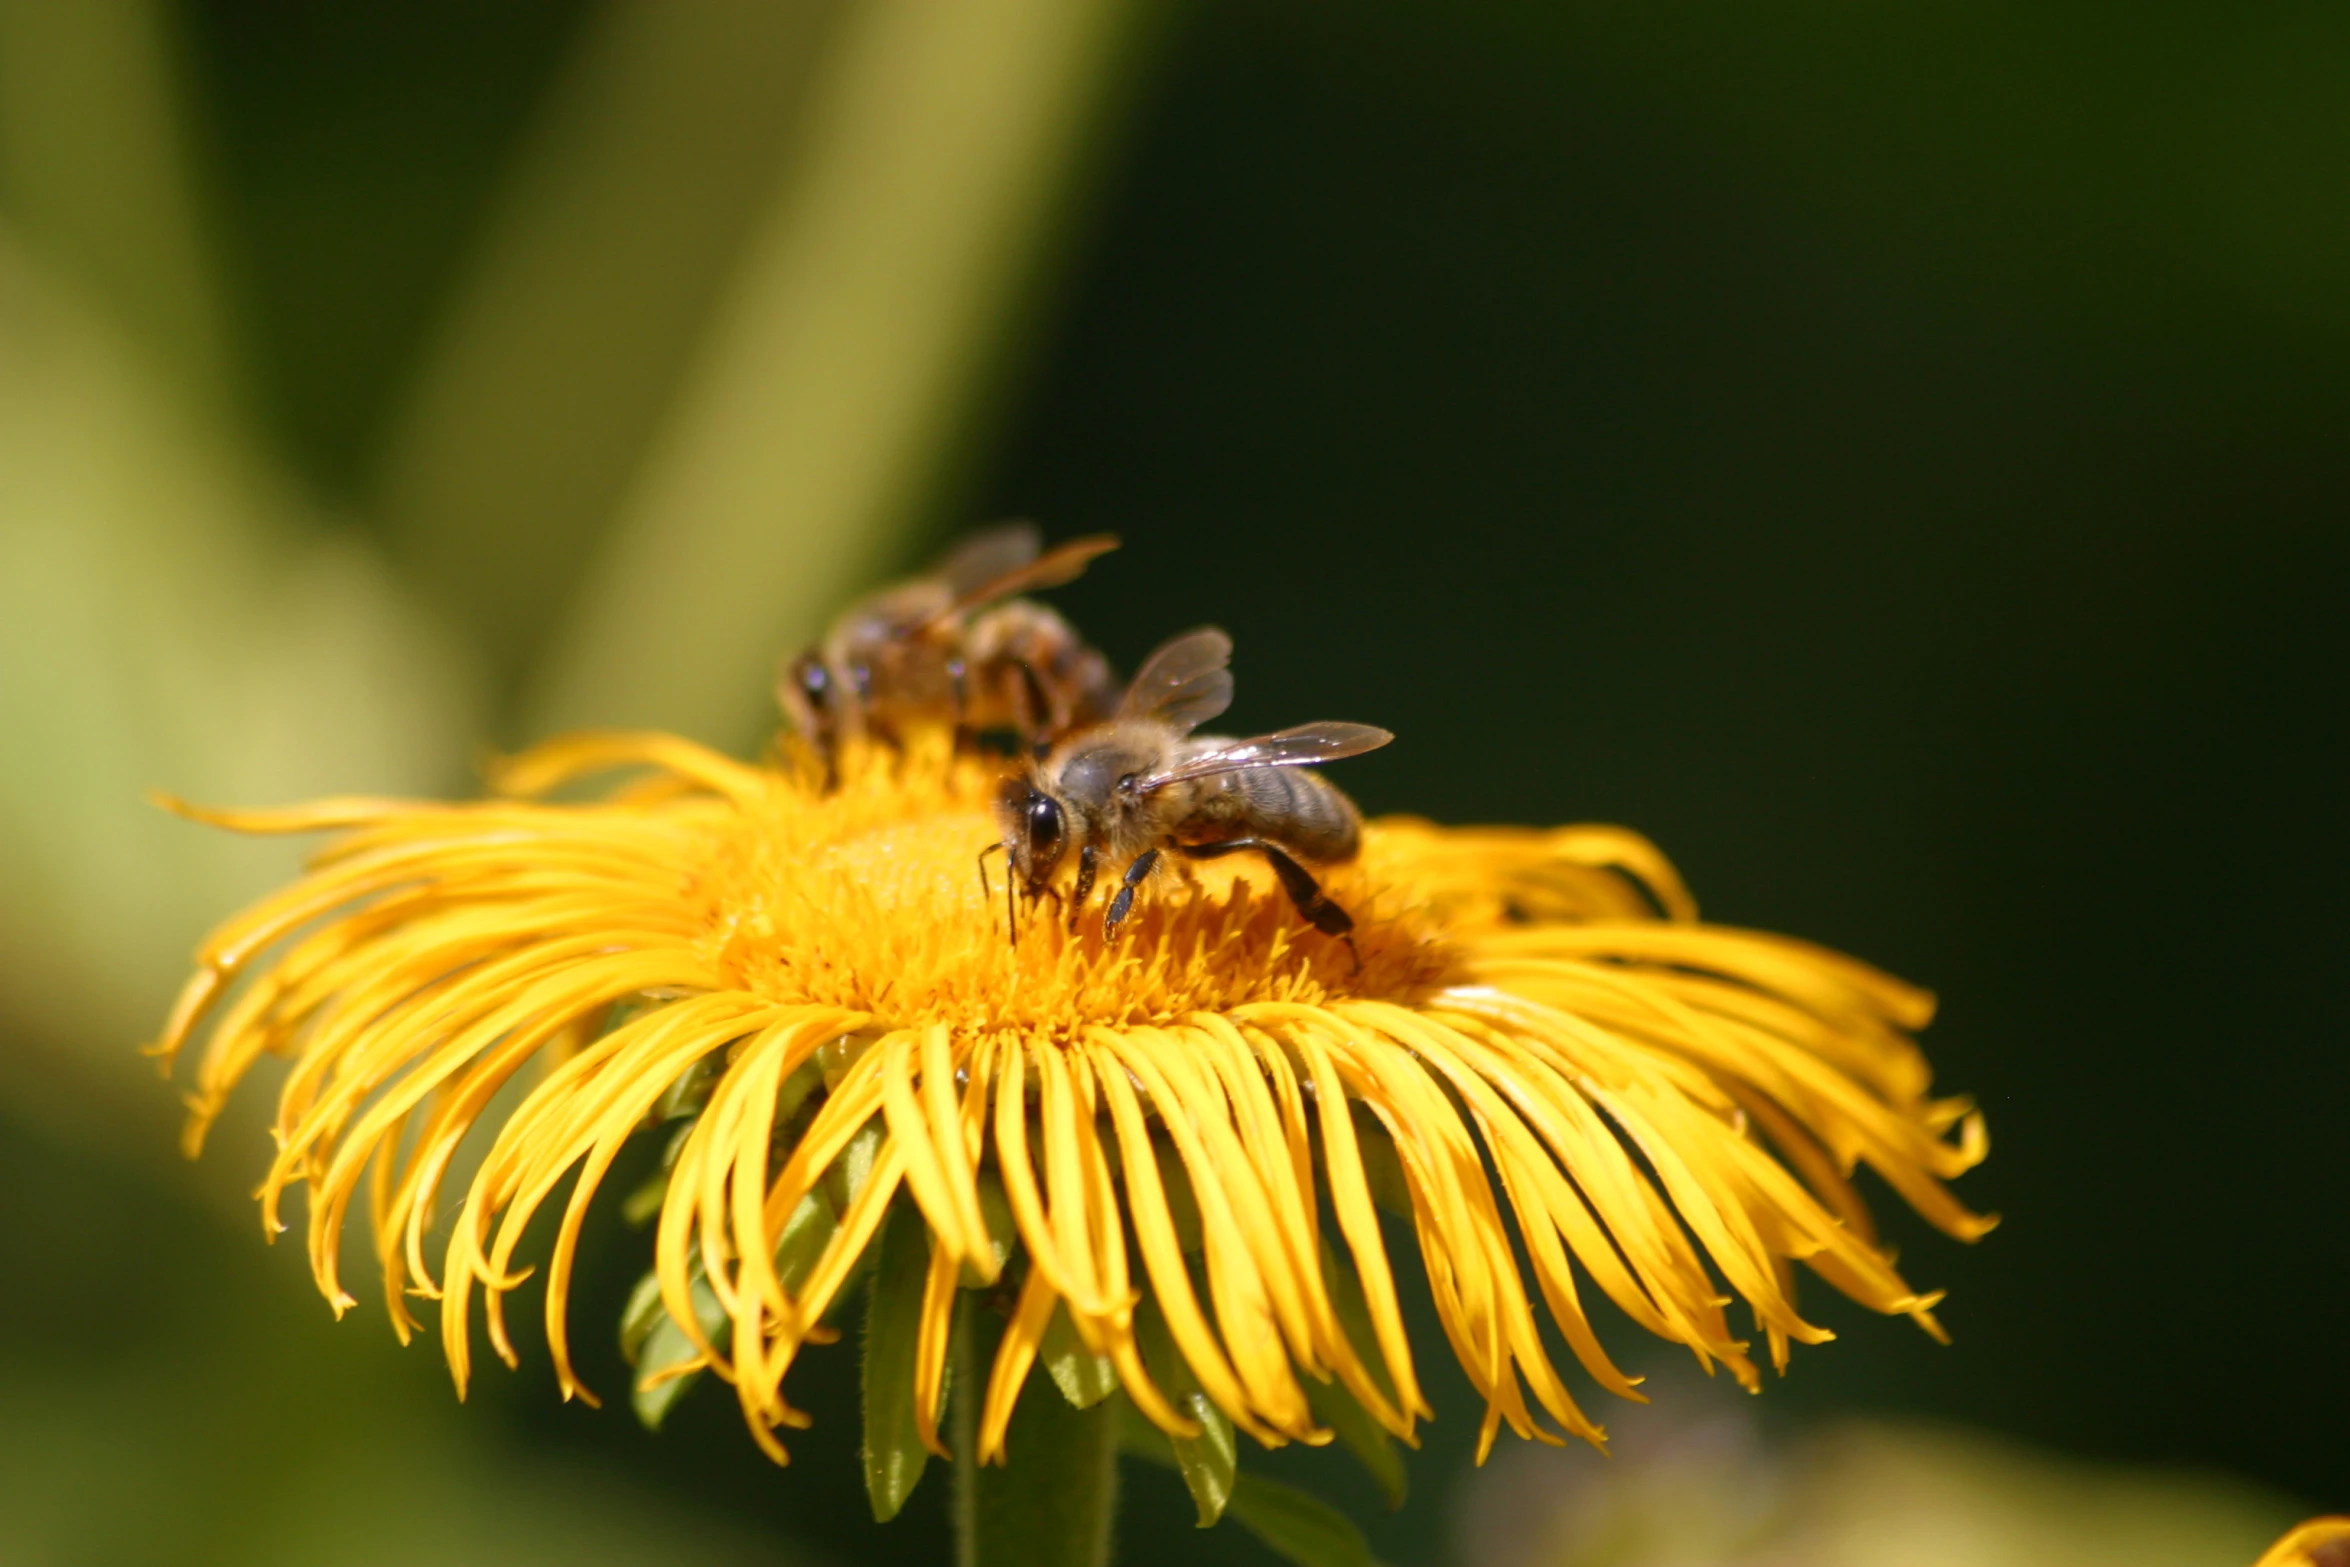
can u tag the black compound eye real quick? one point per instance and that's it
(1044, 826)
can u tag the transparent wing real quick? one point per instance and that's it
(988, 554)
(1303, 746)
(1185, 683)
(1062, 563)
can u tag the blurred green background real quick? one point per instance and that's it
(1894, 456)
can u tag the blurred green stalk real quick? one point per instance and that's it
(95, 171)
(618, 230)
(753, 271)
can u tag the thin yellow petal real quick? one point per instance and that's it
(1579, 1083)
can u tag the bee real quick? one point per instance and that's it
(1127, 792)
(955, 648)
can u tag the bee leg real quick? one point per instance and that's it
(1085, 866)
(1319, 909)
(1032, 709)
(1124, 902)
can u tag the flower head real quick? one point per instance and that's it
(1165, 1153)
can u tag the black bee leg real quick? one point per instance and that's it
(1085, 866)
(1123, 904)
(1319, 909)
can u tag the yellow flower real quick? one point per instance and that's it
(1544, 1063)
(2321, 1542)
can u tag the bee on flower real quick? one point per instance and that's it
(1169, 1156)
(1136, 789)
(955, 647)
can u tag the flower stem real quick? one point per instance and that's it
(1052, 1503)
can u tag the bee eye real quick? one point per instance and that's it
(1044, 827)
(814, 680)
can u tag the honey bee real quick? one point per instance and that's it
(955, 648)
(1126, 792)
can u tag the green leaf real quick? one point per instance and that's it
(1003, 1231)
(805, 1235)
(664, 1344)
(684, 1097)
(1301, 1528)
(836, 1315)
(652, 1340)
(846, 1175)
(844, 1178)
(790, 1094)
(1338, 1408)
(1207, 1461)
(894, 1454)
(644, 1204)
(1083, 1377)
(640, 1316)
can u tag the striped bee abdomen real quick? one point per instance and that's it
(1298, 809)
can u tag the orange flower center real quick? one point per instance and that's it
(871, 898)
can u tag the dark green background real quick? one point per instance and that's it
(1893, 455)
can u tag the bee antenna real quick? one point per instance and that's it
(987, 890)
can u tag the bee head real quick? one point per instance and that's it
(1035, 828)
(807, 698)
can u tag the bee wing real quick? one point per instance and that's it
(1303, 746)
(983, 556)
(1020, 569)
(1185, 683)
